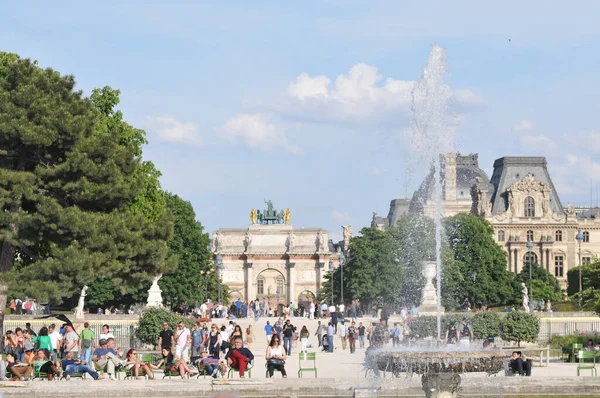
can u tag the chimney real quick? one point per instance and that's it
(450, 175)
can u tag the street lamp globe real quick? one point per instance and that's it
(579, 238)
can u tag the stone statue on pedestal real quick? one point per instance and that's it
(79, 311)
(290, 242)
(247, 241)
(154, 293)
(525, 297)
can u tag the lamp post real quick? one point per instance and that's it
(342, 262)
(219, 266)
(529, 247)
(579, 238)
(331, 269)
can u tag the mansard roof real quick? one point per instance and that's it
(512, 169)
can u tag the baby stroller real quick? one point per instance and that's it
(324, 343)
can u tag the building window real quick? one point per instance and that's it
(558, 236)
(530, 235)
(559, 262)
(529, 207)
(586, 236)
(501, 237)
(279, 286)
(260, 288)
(530, 258)
(586, 260)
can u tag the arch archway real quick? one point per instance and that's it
(304, 299)
(270, 285)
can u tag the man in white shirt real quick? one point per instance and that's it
(311, 310)
(331, 309)
(182, 342)
(71, 341)
(55, 340)
(203, 310)
(342, 308)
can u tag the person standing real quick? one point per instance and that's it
(249, 336)
(165, 337)
(87, 343)
(342, 331)
(352, 337)
(319, 333)
(71, 341)
(361, 335)
(183, 341)
(197, 340)
(214, 341)
(288, 333)
(268, 328)
(396, 332)
(311, 310)
(464, 334)
(330, 333)
(304, 335)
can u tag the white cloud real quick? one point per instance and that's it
(168, 129)
(256, 132)
(572, 176)
(341, 217)
(589, 139)
(523, 125)
(540, 144)
(361, 95)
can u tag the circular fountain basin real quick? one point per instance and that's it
(436, 360)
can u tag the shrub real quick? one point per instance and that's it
(486, 324)
(557, 341)
(423, 326)
(519, 326)
(151, 320)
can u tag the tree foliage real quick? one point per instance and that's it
(486, 324)
(193, 277)
(520, 326)
(482, 263)
(151, 320)
(545, 285)
(69, 171)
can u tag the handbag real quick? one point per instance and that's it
(275, 361)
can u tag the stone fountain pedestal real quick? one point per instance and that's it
(154, 294)
(440, 385)
(429, 305)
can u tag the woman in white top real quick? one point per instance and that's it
(276, 356)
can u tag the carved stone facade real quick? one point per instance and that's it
(521, 204)
(275, 262)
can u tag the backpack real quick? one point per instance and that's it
(466, 332)
(395, 332)
(87, 335)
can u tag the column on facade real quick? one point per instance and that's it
(541, 263)
(249, 281)
(291, 283)
(517, 268)
(548, 260)
(510, 267)
(320, 267)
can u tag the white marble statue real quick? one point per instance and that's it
(247, 241)
(291, 240)
(321, 241)
(216, 241)
(525, 297)
(154, 293)
(79, 311)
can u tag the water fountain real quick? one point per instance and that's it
(440, 367)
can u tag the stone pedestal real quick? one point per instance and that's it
(440, 385)
(154, 294)
(429, 305)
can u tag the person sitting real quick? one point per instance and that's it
(519, 364)
(208, 364)
(71, 365)
(133, 363)
(106, 359)
(42, 364)
(276, 357)
(18, 369)
(590, 346)
(173, 364)
(239, 357)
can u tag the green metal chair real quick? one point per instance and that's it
(303, 363)
(231, 371)
(583, 355)
(130, 374)
(575, 348)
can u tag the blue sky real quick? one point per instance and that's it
(307, 103)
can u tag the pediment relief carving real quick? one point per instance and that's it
(529, 185)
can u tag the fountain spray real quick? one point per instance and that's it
(431, 137)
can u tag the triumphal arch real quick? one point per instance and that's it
(272, 260)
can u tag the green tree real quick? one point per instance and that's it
(372, 270)
(481, 261)
(486, 324)
(590, 282)
(519, 326)
(193, 277)
(151, 320)
(67, 175)
(545, 285)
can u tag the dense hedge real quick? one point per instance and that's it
(151, 320)
(486, 324)
(564, 341)
(519, 326)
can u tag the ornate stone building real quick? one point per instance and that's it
(276, 261)
(521, 204)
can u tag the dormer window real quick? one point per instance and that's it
(529, 207)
